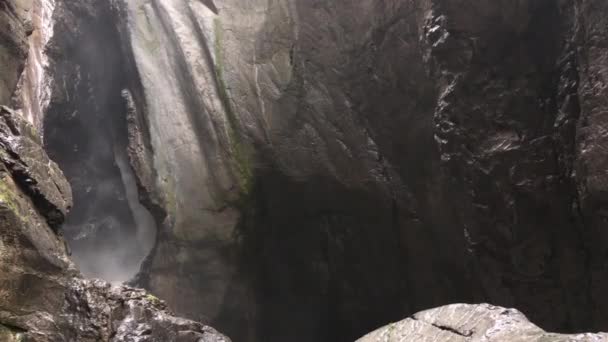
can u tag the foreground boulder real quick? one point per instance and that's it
(464, 323)
(42, 295)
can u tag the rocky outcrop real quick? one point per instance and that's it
(463, 323)
(34, 88)
(34, 259)
(30, 167)
(42, 295)
(102, 312)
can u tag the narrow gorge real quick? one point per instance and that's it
(303, 170)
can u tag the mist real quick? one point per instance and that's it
(120, 259)
(85, 131)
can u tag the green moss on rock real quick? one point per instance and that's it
(153, 299)
(9, 199)
(240, 152)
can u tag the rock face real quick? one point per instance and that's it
(301, 154)
(356, 160)
(361, 166)
(13, 51)
(43, 297)
(470, 323)
(25, 81)
(85, 131)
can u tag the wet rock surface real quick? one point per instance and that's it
(463, 323)
(102, 312)
(359, 167)
(32, 169)
(43, 297)
(356, 160)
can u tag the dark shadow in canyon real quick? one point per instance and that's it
(85, 131)
(328, 262)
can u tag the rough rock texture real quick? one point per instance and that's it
(42, 295)
(16, 26)
(470, 323)
(25, 158)
(34, 88)
(102, 312)
(27, 27)
(33, 257)
(361, 166)
(356, 160)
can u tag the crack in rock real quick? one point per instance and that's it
(466, 333)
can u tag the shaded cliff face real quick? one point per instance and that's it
(43, 297)
(359, 167)
(316, 169)
(86, 132)
(461, 323)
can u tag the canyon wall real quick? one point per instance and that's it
(311, 170)
(43, 296)
(326, 167)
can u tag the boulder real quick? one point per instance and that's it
(471, 323)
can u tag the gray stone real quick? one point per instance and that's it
(43, 297)
(32, 169)
(471, 323)
(13, 45)
(362, 159)
(356, 160)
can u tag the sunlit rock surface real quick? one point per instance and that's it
(17, 25)
(34, 88)
(25, 82)
(471, 323)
